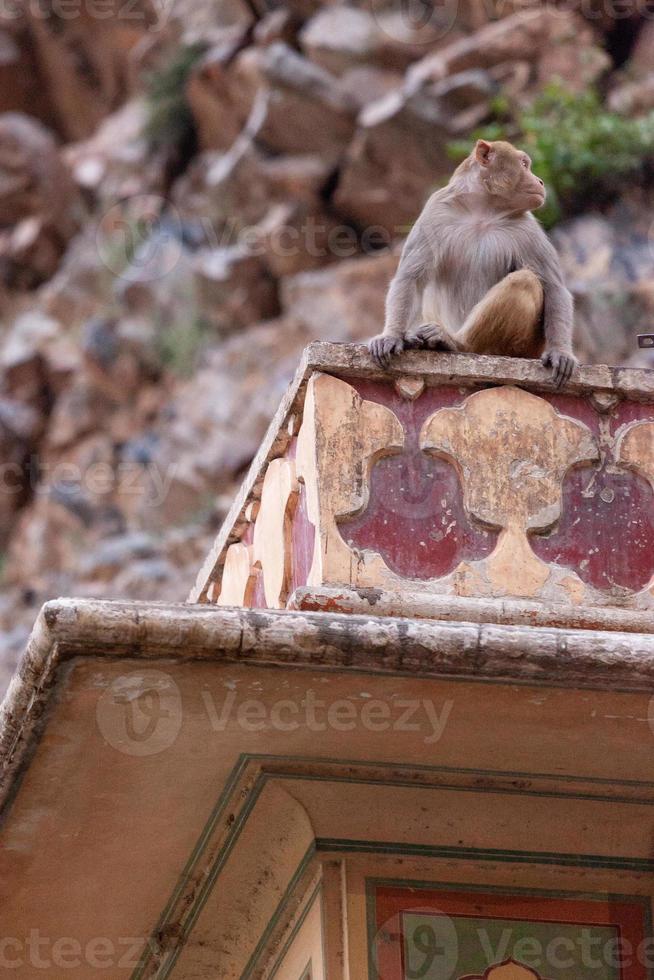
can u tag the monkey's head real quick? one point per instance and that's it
(505, 173)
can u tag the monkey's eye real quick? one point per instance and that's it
(525, 163)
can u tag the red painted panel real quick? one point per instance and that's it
(411, 413)
(606, 529)
(415, 519)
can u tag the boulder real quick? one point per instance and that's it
(234, 287)
(340, 37)
(300, 107)
(39, 207)
(19, 427)
(280, 24)
(219, 96)
(21, 88)
(557, 43)
(642, 55)
(225, 409)
(114, 163)
(609, 265)
(293, 237)
(234, 190)
(344, 302)
(84, 60)
(397, 157)
(365, 83)
(633, 98)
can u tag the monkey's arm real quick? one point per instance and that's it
(558, 311)
(404, 298)
(401, 305)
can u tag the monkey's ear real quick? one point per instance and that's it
(484, 152)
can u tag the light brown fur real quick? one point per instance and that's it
(507, 321)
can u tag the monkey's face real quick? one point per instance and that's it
(507, 176)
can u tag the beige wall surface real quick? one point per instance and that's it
(237, 773)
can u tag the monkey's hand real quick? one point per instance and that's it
(562, 363)
(383, 346)
(431, 336)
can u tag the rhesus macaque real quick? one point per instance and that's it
(478, 273)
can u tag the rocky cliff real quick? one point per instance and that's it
(192, 191)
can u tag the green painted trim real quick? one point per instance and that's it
(296, 928)
(500, 855)
(246, 759)
(191, 917)
(458, 886)
(193, 859)
(281, 906)
(459, 770)
(454, 787)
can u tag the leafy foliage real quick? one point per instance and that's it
(169, 119)
(581, 150)
(180, 344)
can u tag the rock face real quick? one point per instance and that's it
(85, 59)
(153, 315)
(608, 259)
(39, 205)
(554, 43)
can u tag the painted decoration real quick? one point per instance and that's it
(488, 492)
(421, 932)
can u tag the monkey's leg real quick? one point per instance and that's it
(508, 320)
(432, 336)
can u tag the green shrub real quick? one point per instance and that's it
(582, 151)
(180, 344)
(169, 121)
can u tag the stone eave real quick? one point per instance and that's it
(354, 362)
(70, 628)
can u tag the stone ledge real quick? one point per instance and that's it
(70, 628)
(440, 368)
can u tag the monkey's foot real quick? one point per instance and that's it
(431, 336)
(562, 364)
(382, 347)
